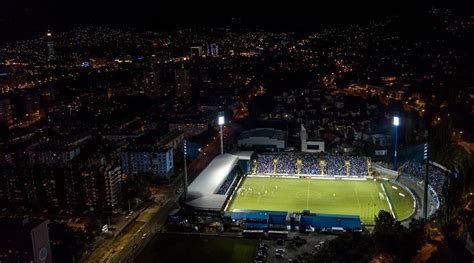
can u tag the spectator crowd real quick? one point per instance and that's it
(436, 175)
(310, 164)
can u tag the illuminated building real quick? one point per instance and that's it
(183, 85)
(147, 159)
(6, 112)
(50, 45)
(151, 83)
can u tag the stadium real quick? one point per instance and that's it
(291, 191)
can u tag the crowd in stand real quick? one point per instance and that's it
(436, 175)
(310, 164)
(358, 165)
(265, 164)
(335, 165)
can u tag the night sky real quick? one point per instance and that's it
(22, 19)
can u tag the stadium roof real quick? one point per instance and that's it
(263, 133)
(244, 155)
(201, 192)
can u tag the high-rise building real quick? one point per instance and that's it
(6, 116)
(183, 85)
(212, 50)
(151, 80)
(107, 181)
(70, 186)
(147, 159)
(53, 155)
(10, 186)
(113, 187)
(50, 46)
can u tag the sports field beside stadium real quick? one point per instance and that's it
(349, 197)
(208, 249)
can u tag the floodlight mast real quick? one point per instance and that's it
(396, 123)
(221, 122)
(185, 190)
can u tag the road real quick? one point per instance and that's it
(129, 243)
(135, 244)
(149, 221)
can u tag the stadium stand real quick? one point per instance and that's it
(309, 164)
(436, 176)
(321, 221)
(205, 192)
(263, 220)
(227, 183)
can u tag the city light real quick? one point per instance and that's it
(396, 121)
(221, 120)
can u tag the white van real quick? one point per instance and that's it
(337, 230)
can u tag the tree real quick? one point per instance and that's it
(391, 238)
(350, 247)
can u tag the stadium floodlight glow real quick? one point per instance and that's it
(220, 122)
(396, 121)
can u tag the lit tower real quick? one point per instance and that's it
(50, 45)
(221, 122)
(396, 123)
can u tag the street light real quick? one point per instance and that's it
(396, 123)
(220, 122)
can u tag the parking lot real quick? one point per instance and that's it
(288, 250)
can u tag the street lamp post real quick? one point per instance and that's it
(396, 123)
(220, 122)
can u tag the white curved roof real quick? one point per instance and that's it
(201, 192)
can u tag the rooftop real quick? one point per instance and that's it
(201, 192)
(263, 132)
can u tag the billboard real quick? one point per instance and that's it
(41, 245)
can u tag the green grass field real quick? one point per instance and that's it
(195, 249)
(364, 198)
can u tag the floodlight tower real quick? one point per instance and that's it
(396, 123)
(50, 45)
(220, 122)
(185, 190)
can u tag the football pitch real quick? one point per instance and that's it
(348, 197)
